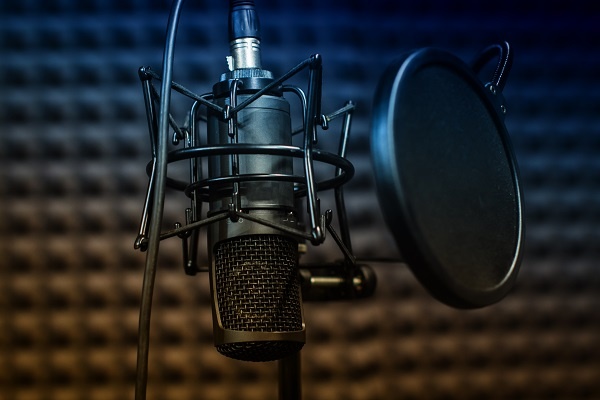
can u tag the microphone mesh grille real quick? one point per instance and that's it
(258, 290)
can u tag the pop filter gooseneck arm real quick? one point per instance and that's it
(159, 184)
(505, 59)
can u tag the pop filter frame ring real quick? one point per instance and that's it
(397, 204)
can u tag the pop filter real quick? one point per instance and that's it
(446, 176)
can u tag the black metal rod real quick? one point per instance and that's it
(345, 250)
(196, 164)
(191, 267)
(140, 241)
(236, 200)
(272, 85)
(302, 97)
(276, 150)
(186, 92)
(142, 238)
(149, 104)
(192, 226)
(172, 122)
(290, 385)
(157, 207)
(281, 227)
(340, 204)
(312, 113)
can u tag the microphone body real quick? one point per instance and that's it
(255, 285)
(254, 231)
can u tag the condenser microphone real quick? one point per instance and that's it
(446, 176)
(254, 277)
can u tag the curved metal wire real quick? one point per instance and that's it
(505, 57)
(346, 169)
(157, 206)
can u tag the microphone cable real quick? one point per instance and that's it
(159, 185)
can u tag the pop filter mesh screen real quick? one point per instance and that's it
(456, 177)
(73, 151)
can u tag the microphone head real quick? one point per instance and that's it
(256, 297)
(447, 179)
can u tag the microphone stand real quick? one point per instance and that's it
(290, 385)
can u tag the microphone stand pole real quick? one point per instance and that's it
(290, 386)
